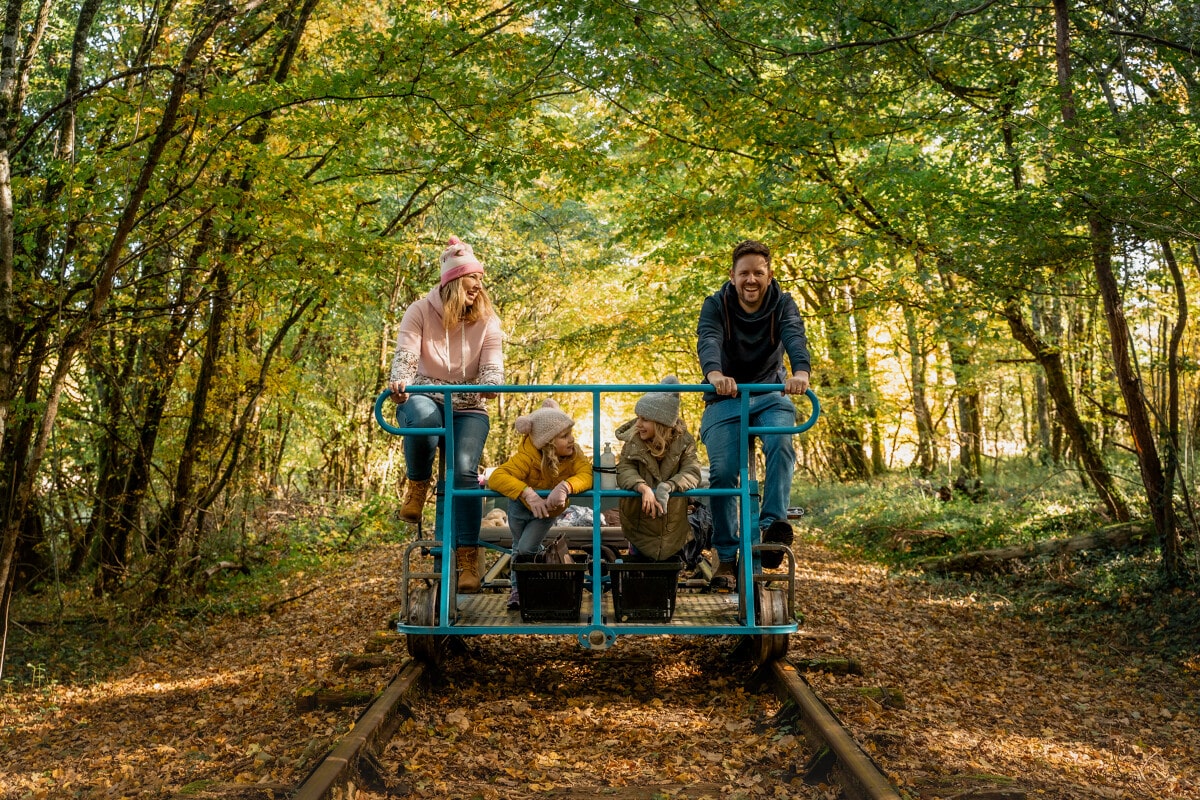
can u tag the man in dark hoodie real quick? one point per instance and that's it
(743, 333)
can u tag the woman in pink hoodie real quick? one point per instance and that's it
(450, 336)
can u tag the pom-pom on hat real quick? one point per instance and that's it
(458, 259)
(661, 407)
(544, 424)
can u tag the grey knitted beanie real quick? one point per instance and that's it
(661, 407)
(544, 424)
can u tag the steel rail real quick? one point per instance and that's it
(857, 774)
(853, 769)
(371, 731)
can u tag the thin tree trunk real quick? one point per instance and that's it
(970, 417)
(1042, 391)
(866, 390)
(926, 451)
(169, 531)
(1154, 477)
(1050, 360)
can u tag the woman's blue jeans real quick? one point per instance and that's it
(470, 432)
(721, 432)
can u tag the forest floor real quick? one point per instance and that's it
(991, 703)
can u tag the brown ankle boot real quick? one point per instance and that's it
(467, 562)
(725, 577)
(415, 493)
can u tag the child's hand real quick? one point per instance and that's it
(662, 494)
(558, 495)
(650, 506)
(557, 499)
(535, 503)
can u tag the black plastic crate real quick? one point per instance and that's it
(550, 592)
(644, 592)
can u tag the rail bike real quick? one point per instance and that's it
(598, 597)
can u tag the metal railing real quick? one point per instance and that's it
(745, 490)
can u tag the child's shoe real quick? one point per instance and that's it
(514, 598)
(725, 578)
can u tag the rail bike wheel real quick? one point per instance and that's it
(771, 608)
(429, 649)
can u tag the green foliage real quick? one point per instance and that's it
(899, 520)
(602, 159)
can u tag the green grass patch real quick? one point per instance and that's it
(898, 520)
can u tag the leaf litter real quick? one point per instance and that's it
(994, 705)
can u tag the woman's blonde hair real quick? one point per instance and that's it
(455, 310)
(663, 436)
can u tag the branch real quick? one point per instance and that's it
(1186, 48)
(286, 600)
(77, 96)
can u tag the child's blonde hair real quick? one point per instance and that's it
(663, 436)
(455, 310)
(550, 461)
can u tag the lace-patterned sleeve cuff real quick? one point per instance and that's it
(491, 374)
(404, 367)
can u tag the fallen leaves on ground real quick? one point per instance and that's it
(989, 699)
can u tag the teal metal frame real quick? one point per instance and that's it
(596, 633)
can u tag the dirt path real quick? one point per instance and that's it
(990, 701)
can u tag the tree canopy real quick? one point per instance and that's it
(213, 214)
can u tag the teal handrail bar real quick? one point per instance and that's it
(445, 536)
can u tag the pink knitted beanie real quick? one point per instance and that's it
(458, 259)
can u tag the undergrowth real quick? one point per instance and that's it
(61, 633)
(1118, 599)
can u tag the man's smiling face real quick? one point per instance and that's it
(751, 276)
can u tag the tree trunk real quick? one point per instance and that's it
(1050, 360)
(866, 390)
(1154, 477)
(1044, 420)
(167, 534)
(926, 451)
(970, 416)
(970, 421)
(1114, 537)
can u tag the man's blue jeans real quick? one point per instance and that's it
(470, 432)
(721, 432)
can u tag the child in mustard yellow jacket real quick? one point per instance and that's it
(547, 458)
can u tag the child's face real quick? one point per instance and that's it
(645, 428)
(564, 443)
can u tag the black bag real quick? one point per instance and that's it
(700, 520)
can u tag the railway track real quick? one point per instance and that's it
(670, 718)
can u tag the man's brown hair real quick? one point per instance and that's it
(750, 247)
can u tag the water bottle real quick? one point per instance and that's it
(608, 468)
